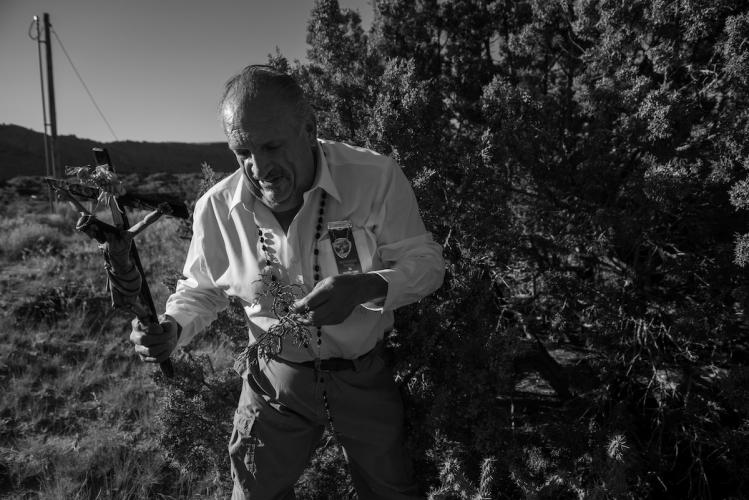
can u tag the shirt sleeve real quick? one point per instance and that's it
(197, 299)
(413, 261)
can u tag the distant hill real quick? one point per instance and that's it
(22, 153)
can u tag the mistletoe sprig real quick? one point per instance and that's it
(101, 178)
(270, 343)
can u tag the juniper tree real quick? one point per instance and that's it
(575, 158)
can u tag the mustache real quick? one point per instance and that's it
(252, 181)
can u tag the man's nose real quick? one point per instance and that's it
(260, 166)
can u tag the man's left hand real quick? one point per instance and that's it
(334, 298)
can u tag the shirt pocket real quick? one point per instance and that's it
(365, 242)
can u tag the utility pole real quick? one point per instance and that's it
(47, 169)
(55, 155)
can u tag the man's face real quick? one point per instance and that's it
(274, 149)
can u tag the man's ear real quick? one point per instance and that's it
(311, 131)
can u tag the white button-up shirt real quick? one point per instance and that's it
(226, 256)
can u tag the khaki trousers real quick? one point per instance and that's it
(281, 417)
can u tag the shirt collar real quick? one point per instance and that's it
(323, 180)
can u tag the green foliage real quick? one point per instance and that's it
(327, 475)
(208, 177)
(583, 164)
(196, 418)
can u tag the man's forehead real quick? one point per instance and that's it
(253, 133)
(254, 121)
(238, 136)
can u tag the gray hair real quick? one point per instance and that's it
(257, 78)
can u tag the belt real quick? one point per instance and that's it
(332, 364)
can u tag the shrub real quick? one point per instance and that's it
(29, 239)
(575, 161)
(54, 303)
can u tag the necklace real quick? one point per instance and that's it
(316, 253)
(283, 298)
(285, 295)
(290, 299)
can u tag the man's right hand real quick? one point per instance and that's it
(155, 342)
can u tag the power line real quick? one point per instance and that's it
(84, 85)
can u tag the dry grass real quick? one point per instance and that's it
(33, 233)
(29, 238)
(77, 411)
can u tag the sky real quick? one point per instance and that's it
(155, 68)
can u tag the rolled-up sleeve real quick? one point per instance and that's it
(197, 299)
(412, 260)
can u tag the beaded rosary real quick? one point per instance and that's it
(286, 298)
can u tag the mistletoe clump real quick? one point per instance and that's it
(270, 343)
(99, 177)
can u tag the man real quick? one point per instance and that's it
(338, 222)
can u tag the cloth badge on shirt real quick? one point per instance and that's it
(344, 247)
